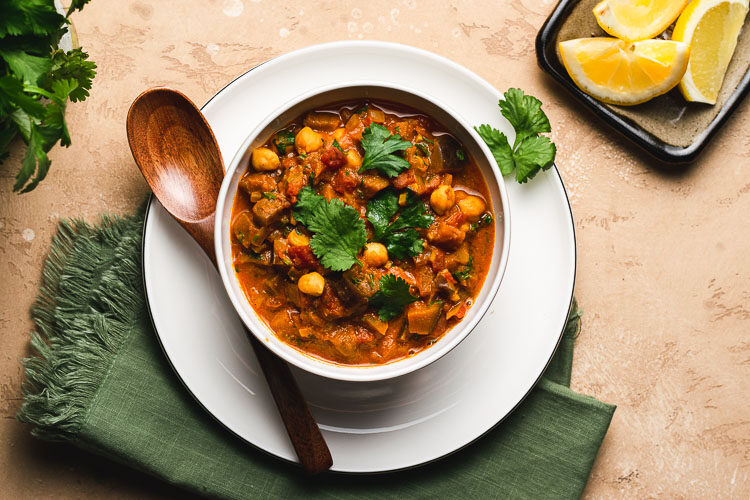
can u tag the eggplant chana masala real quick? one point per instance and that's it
(361, 233)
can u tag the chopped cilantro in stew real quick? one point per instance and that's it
(362, 232)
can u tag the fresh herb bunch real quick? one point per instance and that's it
(530, 152)
(36, 82)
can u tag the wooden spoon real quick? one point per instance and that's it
(177, 153)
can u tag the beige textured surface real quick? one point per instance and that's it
(663, 270)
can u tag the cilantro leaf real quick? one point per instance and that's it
(400, 244)
(423, 148)
(338, 146)
(379, 146)
(380, 211)
(29, 17)
(392, 297)
(413, 214)
(338, 230)
(465, 272)
(35, 159)
(8, 132)
(525, 113)
(76, 5)
(28, 68)
(339, 234)
(12, 92)
(533, 154)
(499, 146)
(308, 204)
(74, 65)
(530, 152)
(283, 140)
(404, 244)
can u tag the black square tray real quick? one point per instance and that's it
(704, 119)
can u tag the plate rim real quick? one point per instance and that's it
(152, 198)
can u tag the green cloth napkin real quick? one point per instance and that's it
(100, 382)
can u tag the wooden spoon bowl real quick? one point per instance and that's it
(177, 153)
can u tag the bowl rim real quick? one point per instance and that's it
(322, 367)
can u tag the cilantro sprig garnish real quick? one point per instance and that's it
(530, 152)
(379, 146)
(399, 237)
(338, 230)
(36, 83)
(392, 297)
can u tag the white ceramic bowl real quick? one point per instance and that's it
(448, 118)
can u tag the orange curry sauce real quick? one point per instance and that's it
(271, 250)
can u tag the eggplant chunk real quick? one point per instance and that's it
(447, 154)
(253, 183)
(268, 211)
(422, 318)
(321, 120)
(247, 232)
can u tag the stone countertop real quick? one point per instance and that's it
(663, 271)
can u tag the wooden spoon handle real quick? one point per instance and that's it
(303, 431)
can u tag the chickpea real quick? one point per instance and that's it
(353, 159)
(376, 254)
(308, 140)
(472, 207)
(297, 239)
(311, 284)
(442, 199)
(265, 159)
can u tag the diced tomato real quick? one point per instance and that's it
(302, 257)
(288, 162)
(455, 217)
(431, 184)
(333, 159)
(345, 181)
(404, 179)
(445, 235)
(330, 305)
(296, 180)
(364, 336)
(437, 259)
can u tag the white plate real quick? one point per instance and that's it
(375, 426)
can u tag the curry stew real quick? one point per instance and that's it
(420, 242)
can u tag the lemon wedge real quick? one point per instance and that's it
(618, 72)
(634, 20)
(711, 28)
